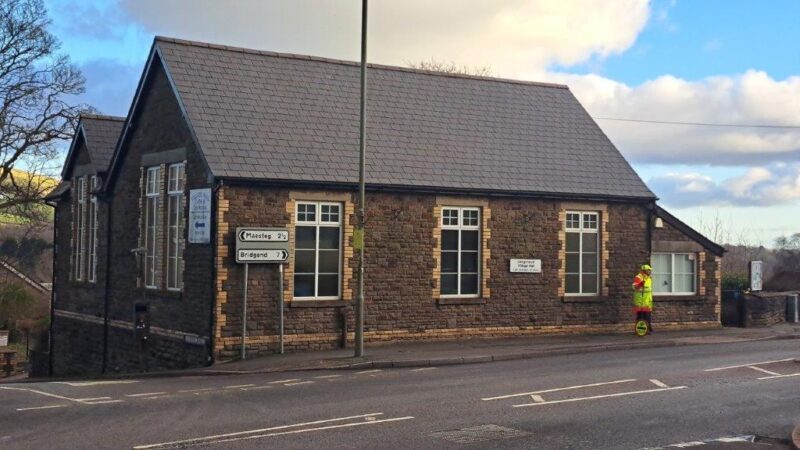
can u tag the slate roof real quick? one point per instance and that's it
(101, 134)
(279, 117)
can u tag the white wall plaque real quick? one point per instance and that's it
(526, 265)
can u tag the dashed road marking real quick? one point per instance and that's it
(290, 380)
(145, 394)
(537, 398)
(261, 430)
(236, 386)
(748, 365)
(255, 388)
(596, 397)
(768, 372)
(42, 407)
(658, 383)
(298, 383)
(192, 391)
(325, 377)
(61, 397)
(525, 394)
(726, 440)
(94, 383)
(91, 399)
(369, 371)
(423, 369)
(103, 402)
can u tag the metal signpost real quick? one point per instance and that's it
(262, 246)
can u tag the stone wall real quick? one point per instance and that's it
(401, 281)
(764, 310)
(157, 128)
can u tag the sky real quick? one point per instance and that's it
(729, 62)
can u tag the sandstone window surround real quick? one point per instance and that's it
(674, 273)
(456, 219)
(582, 249)
(460, 252)
(92, 247)
(176, 184)
(318, 251)
(592, 219)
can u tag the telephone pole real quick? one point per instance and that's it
(358, 237)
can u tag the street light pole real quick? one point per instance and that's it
(358, 238)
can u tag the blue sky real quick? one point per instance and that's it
(691, 61)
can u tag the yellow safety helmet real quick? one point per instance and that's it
(646, 267)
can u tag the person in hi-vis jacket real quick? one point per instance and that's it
(643, 296)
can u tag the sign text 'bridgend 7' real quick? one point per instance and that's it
(255, 256)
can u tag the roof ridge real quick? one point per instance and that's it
(101, 117)
(353, 63)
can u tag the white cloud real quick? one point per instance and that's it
(777, 184)
(751, 98)
(512, 36)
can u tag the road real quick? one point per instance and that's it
(613, 400)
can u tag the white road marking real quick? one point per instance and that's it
(748, 365)
(525, 394)
(91, 399)
(537, 398)
(42, 407)
(369, 371)
(423, 369)
(595, 397)
(768, 372)
(781, 376)
(688, 444)
(324, 377)
(94, 383)
(156, 397)
(255, 388)
(306, 430)
(239, 386)
(144, 394)
(61, 397)
(658, 383)
(298, 383)
(103, 402)
(189, 391)
(290, 380)
(240, 433)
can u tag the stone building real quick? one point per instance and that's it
(464, 175)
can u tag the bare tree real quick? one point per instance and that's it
(36, 83)
(451, 67)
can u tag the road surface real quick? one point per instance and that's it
(714, 395)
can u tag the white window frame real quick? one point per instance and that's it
(152, 194)
(581, 229)
(318, 223)
(693, 259)
(176, 183)
(460, 226)
(93, 184)
(81, 228)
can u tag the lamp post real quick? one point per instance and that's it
(358, 237)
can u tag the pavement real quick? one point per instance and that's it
(471, 351)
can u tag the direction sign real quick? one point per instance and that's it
(261, 256)
(262, 235)
(262, 245)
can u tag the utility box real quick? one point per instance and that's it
(793, 308)
(3, 338)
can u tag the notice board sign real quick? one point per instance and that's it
(525, 266)
(200, 216)
(756, 275)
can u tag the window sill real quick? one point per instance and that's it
(679, 298)
(461, 301)
(317, 303)
(583, 299)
